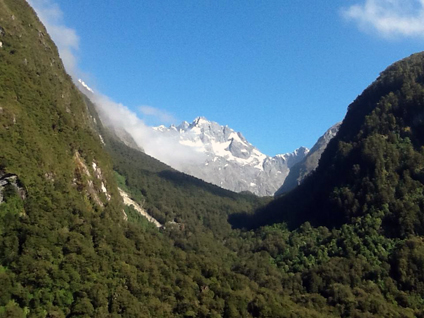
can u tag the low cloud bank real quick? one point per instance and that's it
(158, 114)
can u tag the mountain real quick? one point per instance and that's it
(229, 160)
(303, 168)
(374, 165)
(213, 153)
(359, 218)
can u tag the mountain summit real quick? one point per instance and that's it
(230, 160)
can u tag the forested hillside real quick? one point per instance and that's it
(67, 251)
(374, 166)
(367, 197)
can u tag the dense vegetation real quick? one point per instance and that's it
(369, 189)
(66, 251)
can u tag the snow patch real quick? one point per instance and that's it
(160, 128)
(236, 137)
(85, 85)
(192, 143)
(101, 140)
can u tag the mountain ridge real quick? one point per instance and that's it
(307, 165)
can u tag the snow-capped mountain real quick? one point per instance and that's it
(230, 160)
(205, 149)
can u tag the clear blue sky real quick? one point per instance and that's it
(280, 72)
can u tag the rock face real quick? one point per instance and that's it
(7, 179)
(130, 202)
(93, 184)
(231, 161)
(303, 168)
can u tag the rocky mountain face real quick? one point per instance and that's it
(303, 168)
(230, 161)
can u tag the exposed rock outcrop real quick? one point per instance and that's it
(84, 180)
(128, 201)
(8, 179)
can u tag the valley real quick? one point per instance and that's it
(346, 242)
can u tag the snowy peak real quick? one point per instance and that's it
(230, 160)
(216, 139)
(183, 126)
(200, 121)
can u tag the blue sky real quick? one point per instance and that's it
(280, 72)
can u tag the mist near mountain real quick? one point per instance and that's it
(204, 149)
(112, 113)
(163, 148)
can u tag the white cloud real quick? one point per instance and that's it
(389, 18)
(65, 38)
(161, 115)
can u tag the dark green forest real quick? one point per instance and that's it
(346, 243)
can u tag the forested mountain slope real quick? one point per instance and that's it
(375, 164)
(366, 196)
